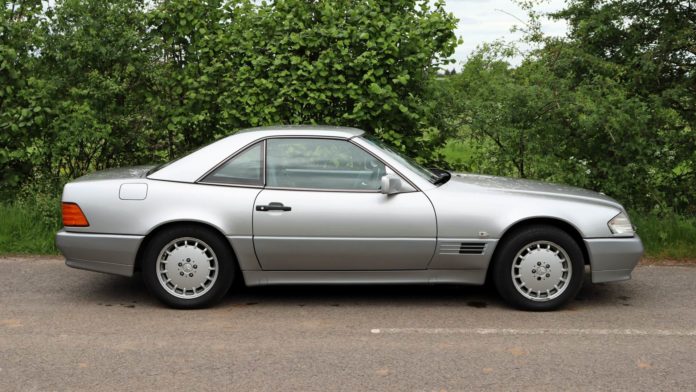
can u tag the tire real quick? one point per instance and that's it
(188, 267)
(538, 268)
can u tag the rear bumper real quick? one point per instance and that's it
(108, 253)
(613, 259)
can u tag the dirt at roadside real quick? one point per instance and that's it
(26, 257)
(668, 262)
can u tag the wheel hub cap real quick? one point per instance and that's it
(187, 268)
(541, 271)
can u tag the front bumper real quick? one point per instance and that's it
(613, 259)
(108, 253)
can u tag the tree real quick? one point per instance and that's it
(20, 23)
(635, 60)
(96, 60)
(652, 42)
(357, 63)
(587, 109)
(193, 61)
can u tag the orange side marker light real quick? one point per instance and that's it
(73, 216)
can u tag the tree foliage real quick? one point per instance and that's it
(91, 84)
(96, 70)
(20, 118)
(609, 107)
(358, 63)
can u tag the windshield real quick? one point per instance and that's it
(402, 159)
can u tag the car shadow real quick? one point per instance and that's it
(117, 291)
(110, 290)
(365, 295)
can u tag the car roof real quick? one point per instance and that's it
(194, 165)
(306, 130)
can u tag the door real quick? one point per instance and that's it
(322, 210)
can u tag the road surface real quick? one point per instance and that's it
(65, 329)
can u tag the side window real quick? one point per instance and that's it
(246, 168)
(321, 164)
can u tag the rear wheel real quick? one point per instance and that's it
(188, 267)
(538, 268)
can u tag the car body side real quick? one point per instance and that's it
(470, 216)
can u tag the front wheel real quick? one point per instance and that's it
(188, 267)
(538, 268)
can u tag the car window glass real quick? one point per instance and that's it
(321, 164)
(402, 159)
(245, 168)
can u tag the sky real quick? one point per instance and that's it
(487, 20)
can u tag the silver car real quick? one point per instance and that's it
(327, 205)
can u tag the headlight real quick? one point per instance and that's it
(620, 224)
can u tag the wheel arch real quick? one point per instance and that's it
(548, 221)
(184, 222)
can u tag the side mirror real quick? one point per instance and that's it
(391, 184)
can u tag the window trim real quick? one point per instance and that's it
(255, 184)
(264, 158)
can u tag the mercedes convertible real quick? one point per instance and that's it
(332, 205)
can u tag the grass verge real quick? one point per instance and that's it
(29, 228)
(667, 237)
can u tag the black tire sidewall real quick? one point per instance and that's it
(514, 243)
(222, 250)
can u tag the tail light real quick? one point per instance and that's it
(73, 216)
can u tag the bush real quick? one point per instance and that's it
(30, 227)
(669, 236)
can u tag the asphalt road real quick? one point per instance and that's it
(65, 329)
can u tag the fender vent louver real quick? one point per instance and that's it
(472, 248)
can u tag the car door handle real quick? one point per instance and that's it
(274, 207)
